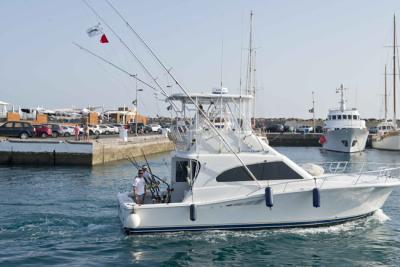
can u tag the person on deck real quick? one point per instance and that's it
(76, 132)
(139, 188)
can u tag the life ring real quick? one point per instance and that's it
(322, 140)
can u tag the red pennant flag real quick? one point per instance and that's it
(103, 39)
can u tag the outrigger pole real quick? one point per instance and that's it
(131, 52)
(179, 85)
(135, 76)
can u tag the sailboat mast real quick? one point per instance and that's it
(394, 72)
(385, 95)
(249, 60)
(249, 81)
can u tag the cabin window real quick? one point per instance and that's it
(276, 170)
(339, 117)
(333, 117)
(353, 143)
(345, 143)
(345, 117)
(329, 117)
(182, 170)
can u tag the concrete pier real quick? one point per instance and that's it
(293, 139)
(297, 139)
(93, 152)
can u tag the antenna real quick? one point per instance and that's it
(342, 100)
(222, 58)
(394, 72)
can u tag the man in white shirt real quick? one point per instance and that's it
(139, 188)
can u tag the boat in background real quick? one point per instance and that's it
(388, 135)
(344, 131)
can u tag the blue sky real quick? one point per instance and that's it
(303, 46)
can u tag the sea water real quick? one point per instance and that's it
(67, 216)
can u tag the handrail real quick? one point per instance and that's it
(386, 174)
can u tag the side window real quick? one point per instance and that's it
(334, 117)
(329, 117)
(17, 124)
(354, 117)
(339, 117)
(277, 170)
(9, 125)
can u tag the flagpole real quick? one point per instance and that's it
(313, 111)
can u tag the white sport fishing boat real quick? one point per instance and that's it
(344, 131)
(230, 178)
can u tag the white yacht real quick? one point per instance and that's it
(230, 178)
(388, 138)
(344, 131)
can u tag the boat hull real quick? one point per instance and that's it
(294, 209)
(388, 141)
(347, 140)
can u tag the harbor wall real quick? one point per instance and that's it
(94, 152)
(293, 139)
(297, 139)
(116, 149)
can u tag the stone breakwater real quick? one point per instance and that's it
(94, 152)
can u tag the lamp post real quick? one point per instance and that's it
(136, 111)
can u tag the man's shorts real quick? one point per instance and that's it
(141, 197)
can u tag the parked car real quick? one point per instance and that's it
(22, 130)
(289, 129)
(43, 130)
(96, 130)
(68, 131)
(154, 127)
(114, 128)
(304, 129)
(275, 128)
(132, 127)
(106, 129)
(56, 129)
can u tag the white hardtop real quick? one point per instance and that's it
(207, 97)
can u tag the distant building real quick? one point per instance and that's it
(124, 115)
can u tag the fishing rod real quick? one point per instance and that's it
(153, 175)
(228, 146)
(167, 198)
(138, 166)
(147, 163)
(131, 52)
(151, 187)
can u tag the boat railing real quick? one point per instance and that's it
(353, 167)
(363, 176)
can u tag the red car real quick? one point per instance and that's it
(43, 130)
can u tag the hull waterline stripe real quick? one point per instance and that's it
(244, 226)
